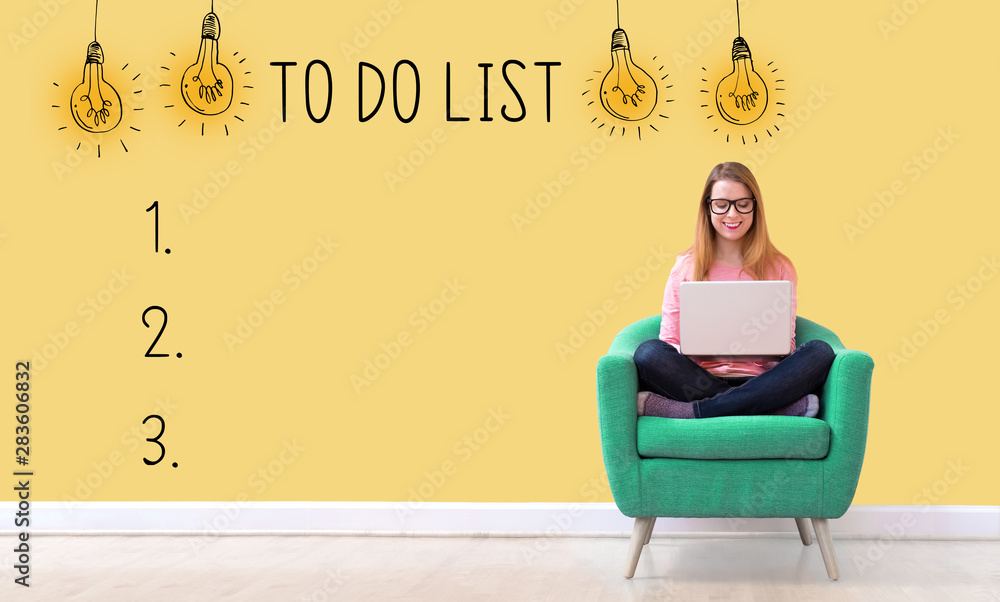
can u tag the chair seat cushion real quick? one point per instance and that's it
(734, 438)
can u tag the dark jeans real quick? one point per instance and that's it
(665, 371)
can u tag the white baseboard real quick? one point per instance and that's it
(479, 519)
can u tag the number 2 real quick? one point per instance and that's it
(149, 352)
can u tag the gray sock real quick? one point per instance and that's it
(651, 404)
(808, 407)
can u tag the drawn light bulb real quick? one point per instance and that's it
(741, 95)
(627, 91)
(95, 104)
(207, 85)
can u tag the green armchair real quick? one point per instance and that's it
(734, 466)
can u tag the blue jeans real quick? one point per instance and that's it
(667, 372)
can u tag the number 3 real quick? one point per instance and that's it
(156, 439)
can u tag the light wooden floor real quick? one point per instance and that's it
(317, 568)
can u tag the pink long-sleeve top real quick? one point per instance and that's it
(670, 328)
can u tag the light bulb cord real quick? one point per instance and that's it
(738, 30)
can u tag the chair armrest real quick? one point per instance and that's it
(845, 403)
(617, 387)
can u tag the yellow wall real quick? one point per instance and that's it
(481, 403)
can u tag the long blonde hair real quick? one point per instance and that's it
(760, 257)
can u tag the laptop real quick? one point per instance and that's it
(744, 320)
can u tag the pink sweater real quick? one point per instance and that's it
(670, 329)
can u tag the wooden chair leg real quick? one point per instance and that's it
(822, 527)
(642, 526)
(804, 533)
(649, 533)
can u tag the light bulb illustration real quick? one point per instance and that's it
(207, 85)
(627, 92)
(95, 104)
(741, 96)
(744, 96)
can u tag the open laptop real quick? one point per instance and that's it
(744, 320)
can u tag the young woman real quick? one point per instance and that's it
(730, 243)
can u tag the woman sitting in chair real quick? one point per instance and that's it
(730, 243)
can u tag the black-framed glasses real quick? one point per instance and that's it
(721, 206)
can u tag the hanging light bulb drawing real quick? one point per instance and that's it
(207, 85)
(741, 96)
(627, 92)
(95, 104)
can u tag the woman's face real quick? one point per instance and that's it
(732, 225)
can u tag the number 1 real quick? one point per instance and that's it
(155, 208)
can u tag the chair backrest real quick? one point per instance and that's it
(807, 330)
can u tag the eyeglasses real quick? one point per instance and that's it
(721, 206)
